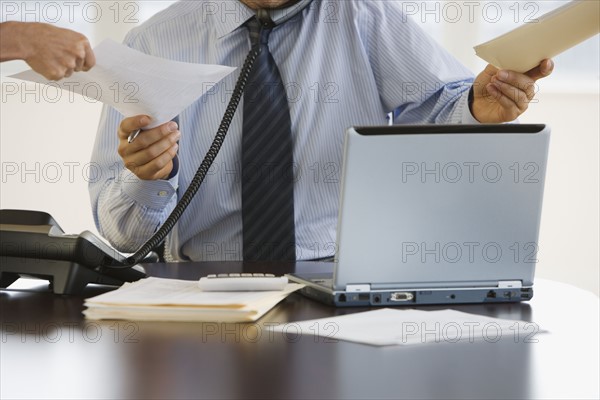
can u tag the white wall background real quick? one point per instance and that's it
(46, 141)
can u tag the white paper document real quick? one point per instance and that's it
(135, 83)
(525, 47)
(409, 327)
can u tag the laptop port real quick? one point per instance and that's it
(401, 296)
(342, 298)
(491, 294)
(526, 293)
(377, 299)
(364, 297)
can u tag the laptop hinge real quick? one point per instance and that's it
(510, 284)
(358, 288)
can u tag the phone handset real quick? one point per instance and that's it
(268, 18)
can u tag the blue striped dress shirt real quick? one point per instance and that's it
(343, 63)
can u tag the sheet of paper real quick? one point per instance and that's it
(523, 48)
(409, 327)
(135, 83)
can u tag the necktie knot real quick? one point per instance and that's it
(259, 34)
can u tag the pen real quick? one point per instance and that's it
(133, 135)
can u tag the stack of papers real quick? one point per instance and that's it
(158, 299)
(525, 47)
(409, 327)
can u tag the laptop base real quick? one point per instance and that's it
(317, 289)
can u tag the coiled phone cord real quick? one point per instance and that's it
(210, 156)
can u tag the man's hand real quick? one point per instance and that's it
(502, 95)
(52, 52)
(150, 156)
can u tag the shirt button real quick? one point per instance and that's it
(163, 193)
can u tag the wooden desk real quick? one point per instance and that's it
(49, 351)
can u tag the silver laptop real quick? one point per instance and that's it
(436, 214)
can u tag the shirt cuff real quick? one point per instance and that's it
(153, 194)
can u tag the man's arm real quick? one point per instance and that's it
(416, 78)
(53, 52)
(422, 83)
(130, 200)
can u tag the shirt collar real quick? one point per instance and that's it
(228, 20)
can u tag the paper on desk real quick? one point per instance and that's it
(409, 327)
(181, 293)
(159, 299)
(135, 83)
(525, 47)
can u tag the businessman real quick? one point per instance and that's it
(272, 193)
(52, 52)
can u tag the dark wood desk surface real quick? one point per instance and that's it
(49, 351)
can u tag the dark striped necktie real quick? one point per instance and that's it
(267, 159)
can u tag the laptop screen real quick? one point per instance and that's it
(439, 205)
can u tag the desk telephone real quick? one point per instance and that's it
(32, 243)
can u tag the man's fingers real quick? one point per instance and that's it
(541, 71)
(164, 173)
(146, 155)
(483, 80)
(517, 80)
(490, 70)
(510, 109)
(520, 97)
(132, 124)
(158, 167)
(149, 137)
(501, 95)
(486, 76)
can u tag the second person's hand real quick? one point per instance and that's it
(150, 156)
(55, 52)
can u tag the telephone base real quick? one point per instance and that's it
(65, 277)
